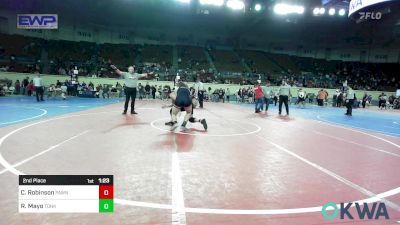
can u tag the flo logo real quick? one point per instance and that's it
(377, 211)
(370, 15)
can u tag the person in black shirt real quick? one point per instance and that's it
(221, 94)
(364, 100)
(339, 101)
(153, 91)
(25, 83)
(141, 91)
(147, 90)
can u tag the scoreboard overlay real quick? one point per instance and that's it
(66, 194)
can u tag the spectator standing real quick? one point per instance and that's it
(228, 94)
(382, 101)
(267, 91)
(25, 84)
(364, 100)
(17, 87)
(153, 91)
(259, 97)
(322, 95)
(221, 95)
(141, 91)
(147, 89)
(106, 91)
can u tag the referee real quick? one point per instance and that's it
(349, 101)
(131, 80)
(38, 83)
(200, 92)
(284, 93)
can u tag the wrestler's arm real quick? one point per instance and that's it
(119, 72)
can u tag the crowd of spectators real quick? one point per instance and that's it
(245, 94)
(93, 60)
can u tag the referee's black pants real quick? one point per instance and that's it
(200, 95)
(283, 99)
(130, 93)
(349, 106)
(39, 93)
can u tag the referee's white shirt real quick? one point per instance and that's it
(199, 87)
(38, 82)
(350, 94)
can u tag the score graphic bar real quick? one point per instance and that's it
(66, 194)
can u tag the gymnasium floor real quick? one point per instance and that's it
(246, 169)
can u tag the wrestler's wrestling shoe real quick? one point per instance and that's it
(204, 123)
(170, 123)
(184, 124)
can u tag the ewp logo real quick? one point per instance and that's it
(377, 210)
(37, 21)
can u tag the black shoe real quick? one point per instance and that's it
(170, 123)
(133, 112)
(204, 123)
(184, 124)
(124, 112)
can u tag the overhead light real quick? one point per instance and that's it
(257, 7)
(316, 11)
(283, 9)
(183, 1)
(322, 11)
(332, 11)
(235, 4)
(280, 9)
(300, 9)
(342, 12)
(212, 2)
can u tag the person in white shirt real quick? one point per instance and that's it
(284, 94)
(131, 82)
(267, 91)
(228, 94)
(64, 89)
(200, 92)
(349, 101)
(38, 83)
